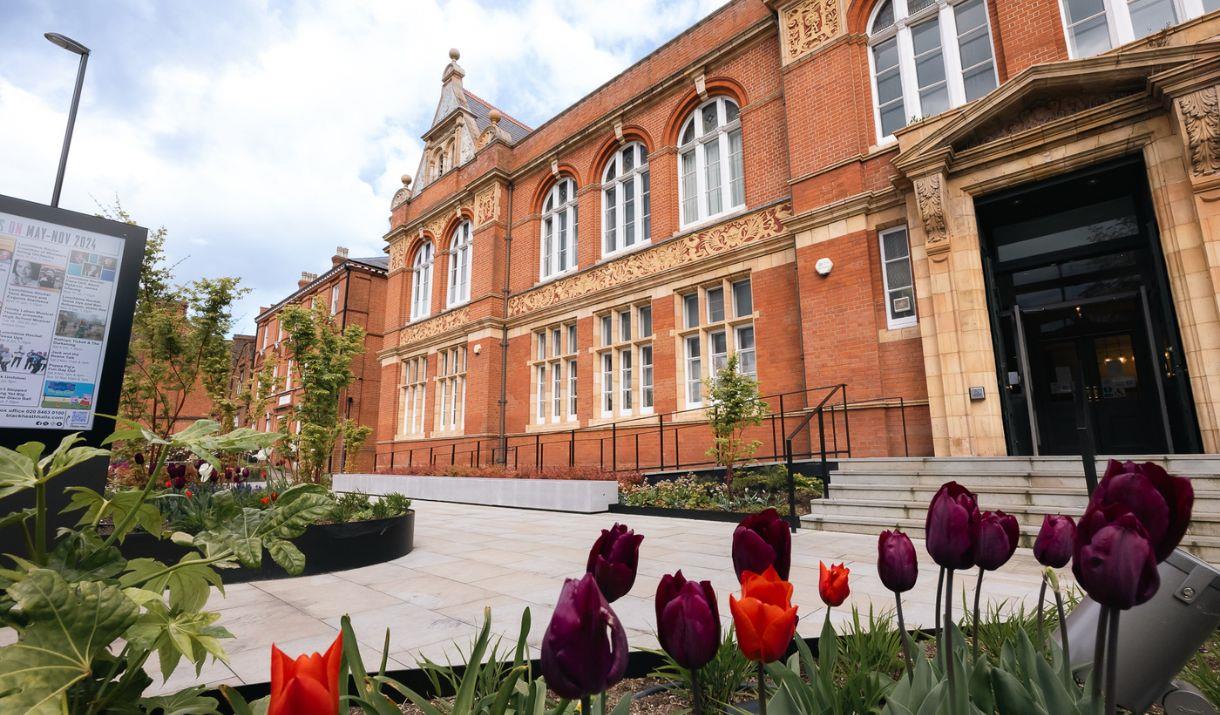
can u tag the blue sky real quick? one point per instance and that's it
(264, 133)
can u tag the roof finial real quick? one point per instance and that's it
(454, 54)
(406, 179)
(495, 116)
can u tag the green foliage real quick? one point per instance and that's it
(874, 645)
(733, 405)
(832, 683)
(753, 493)
(87, 619)
(322, 356)
(354, 506)
(1204, 671)
(354, 437)
(178, 339)
(724, 679)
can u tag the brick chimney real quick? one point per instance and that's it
(339, 257)
(306, 279)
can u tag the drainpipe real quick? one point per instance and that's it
(508, 254)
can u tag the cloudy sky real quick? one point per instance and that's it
(263, 133)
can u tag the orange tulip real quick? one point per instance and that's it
(308, 685)
(832, 583)
(764, 617)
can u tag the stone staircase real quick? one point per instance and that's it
(869, 495)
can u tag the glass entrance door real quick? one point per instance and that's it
(1096, 356)
(1081, 312)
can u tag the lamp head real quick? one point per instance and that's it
(67, 43)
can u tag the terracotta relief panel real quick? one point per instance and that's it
(807, 24)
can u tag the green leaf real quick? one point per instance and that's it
(287, 555)
(16, 517)
(1011, 697)
(189, 581)
(117, 506)
(66, 456)
(18, 472)
(184, 702)
(176, 634)
(69, 625)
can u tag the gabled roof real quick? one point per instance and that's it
(481, 109)
(382, 262)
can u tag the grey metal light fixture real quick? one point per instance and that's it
(72, 46)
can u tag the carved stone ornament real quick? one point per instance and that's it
(807, 24)
(431, 327)
(692, 247)
(1036, 114)
(1200, 112)
(930, 198)
(487, 205)
(398, 252)
(400, 197)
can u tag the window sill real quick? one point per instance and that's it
(711, 220)
(614, 255)
(556, 276)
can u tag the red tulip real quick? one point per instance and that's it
(1053, 546)
(897, 564)
(613, 561)
(764, 617)
(584, 650)
(1161, 502)
(952, 526)
(307, 685)
(762, 540)
(688, 620)
(832, 583)
(1115, 562)
(998, 534)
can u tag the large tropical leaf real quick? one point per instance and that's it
(175, 634)
(69, 625)
(186, 702)
(189, 582)
(117, 506)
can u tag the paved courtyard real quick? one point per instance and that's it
(467, 557)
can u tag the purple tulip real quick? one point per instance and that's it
(996, 540)
(1161, 502)
(952, 526)
(139, 458)
(613, 560)
(584, 651)
(1053, 546)
(1115, 562)
(688, 620)
(762, 540)
(896, 561)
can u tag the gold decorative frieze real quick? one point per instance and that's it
(431, 327)
(398, 251)
(487, 205)
(807, 25)
(930, 199)
(692, 247)
(1200, 112)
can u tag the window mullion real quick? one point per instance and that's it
(701, 203)
(952, 56)
(726, 195)
(1119, 21)
(906, 69)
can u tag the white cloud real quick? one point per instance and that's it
(263, 154)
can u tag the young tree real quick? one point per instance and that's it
(178, 340)
(734, 405)
(322, 356)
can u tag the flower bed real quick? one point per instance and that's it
(708, 497)
(502, 472)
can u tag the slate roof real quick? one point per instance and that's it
(481, 109)
(382, 262)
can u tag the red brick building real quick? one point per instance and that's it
(954, 219)
(354, 292)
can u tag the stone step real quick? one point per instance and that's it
(993, 496)
(1183, 465)
(1202, 524)
(982, 482)
(1205, 547)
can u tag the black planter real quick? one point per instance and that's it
(327, 547)
(703, 514)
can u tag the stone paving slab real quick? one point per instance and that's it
(469, 556)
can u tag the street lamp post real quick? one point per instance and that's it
(72, 46)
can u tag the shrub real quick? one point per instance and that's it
(499, 471)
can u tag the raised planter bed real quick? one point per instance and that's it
(584, 496)
(704, 514)
(327, 548)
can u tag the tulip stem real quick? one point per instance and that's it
(762, 689)
(696, 690)
(1041, 598)
(585, 707)
(906, 638)
(949, 641)
(1099, 652)
(978, 591)
(1112, 663)
(940, 590)
(1063, 636)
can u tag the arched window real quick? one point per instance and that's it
(1094, 26)
(459, 266)
(625, 201)
(928, 56)
(559, 229)
(421, 283)
(710, 176)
